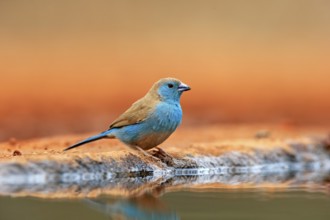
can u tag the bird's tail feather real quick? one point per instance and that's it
(90, 139)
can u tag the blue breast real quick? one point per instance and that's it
(155, 129)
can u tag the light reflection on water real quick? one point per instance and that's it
(291, 195)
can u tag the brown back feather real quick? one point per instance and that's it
(139, 111)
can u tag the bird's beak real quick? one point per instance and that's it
(183, 87)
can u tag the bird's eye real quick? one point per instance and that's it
(170, 85)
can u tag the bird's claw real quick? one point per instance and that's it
(162, 155)
(148, 155)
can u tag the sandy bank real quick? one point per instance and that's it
(222, 154)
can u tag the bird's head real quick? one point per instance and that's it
(170, 89)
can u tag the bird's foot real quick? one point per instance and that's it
(148, 155)
(162, 155)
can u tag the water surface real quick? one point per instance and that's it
(210, 204)
(285, 195)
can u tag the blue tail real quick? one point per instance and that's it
(90, 139)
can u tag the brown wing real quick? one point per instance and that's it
(138, 112)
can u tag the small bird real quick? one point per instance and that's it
(150, 120)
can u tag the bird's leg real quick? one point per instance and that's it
(163, 156)
(161, 151)
(147, 154)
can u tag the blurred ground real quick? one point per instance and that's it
(201, 140)
(72, 67)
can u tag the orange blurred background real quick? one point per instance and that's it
(73, 66)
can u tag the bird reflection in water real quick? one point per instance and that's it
(145, 207)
